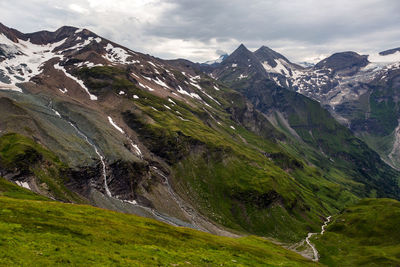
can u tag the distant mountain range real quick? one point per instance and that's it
(352, 87)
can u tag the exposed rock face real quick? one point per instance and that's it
(346, 62)
(270, 91)
(389, 52)
(360, 91)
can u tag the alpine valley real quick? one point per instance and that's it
(248, 160)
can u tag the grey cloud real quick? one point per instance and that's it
(201, 30)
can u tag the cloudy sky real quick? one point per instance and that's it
(302, 30)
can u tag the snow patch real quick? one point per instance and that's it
(118, 55)
(159, 82)
(115, 125)
(242, 76)
(24, 60)
(88, 64)
(23, 184)
(81, 45)
(146, 87)
(182, 118)
(58, 67)
(392, 58)
(192, 95)
(280, 67)
(196, 85)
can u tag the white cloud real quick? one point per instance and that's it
(78, 8)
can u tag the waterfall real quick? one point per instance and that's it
(96, 150)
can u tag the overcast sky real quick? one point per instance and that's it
(302, 30)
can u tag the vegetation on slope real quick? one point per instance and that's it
(342, 157)
(239, 178)
(21, 157)
(366, 234)
(11, 190)
(51, 233)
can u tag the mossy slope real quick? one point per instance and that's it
(50, 233)
(366, 234)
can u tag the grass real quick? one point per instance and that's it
(365, 234)
(11, 190)
(217, 167)
(22, 154)
(34, 233)
(242, 175)
(228, 177)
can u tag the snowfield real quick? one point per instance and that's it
(24, 60)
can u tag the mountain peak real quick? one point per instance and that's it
(343, 60)
(10, 33)
(265, 53)
(44, 37)
(242, 46)
(241, 50)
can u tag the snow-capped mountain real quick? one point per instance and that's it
(218, 60)
(347, 84)
(79, 94)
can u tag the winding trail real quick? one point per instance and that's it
(328, 219)
(311, 245)
(315, 252)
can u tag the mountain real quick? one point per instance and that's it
(125, 131)
(346, 62)
(309, 125)
(389, 52)
(352, 87)
(218, 60)
(223, 148)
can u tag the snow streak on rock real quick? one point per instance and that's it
(58, 67)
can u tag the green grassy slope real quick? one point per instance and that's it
(25, 157)
(366, 234)
(217, 164)
(333, 148)
(11, 190)
(37, 233)
(229, 162)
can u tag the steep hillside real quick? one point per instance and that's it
(49, 233)
(314, 132)
(365, 234)
(360, 91)
(104, 125)
(135, 134)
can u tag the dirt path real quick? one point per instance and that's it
(311, 245)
